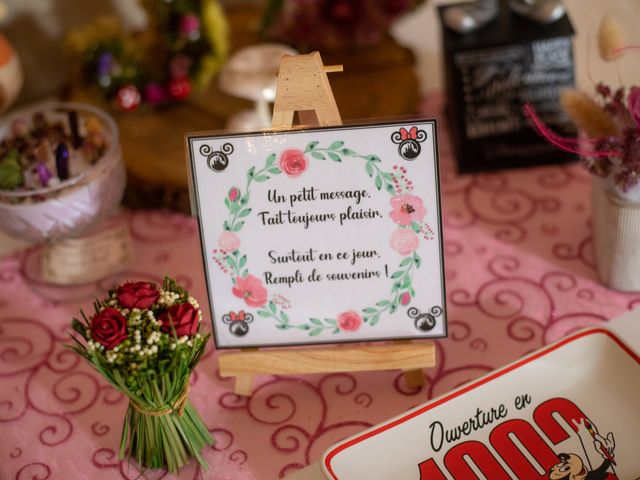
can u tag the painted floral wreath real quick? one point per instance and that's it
(407, 211)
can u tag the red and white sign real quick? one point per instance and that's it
(569, 411)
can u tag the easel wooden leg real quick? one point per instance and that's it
(414, 378)
(244, 385)
(282, 118)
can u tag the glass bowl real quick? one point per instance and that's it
(71, 207)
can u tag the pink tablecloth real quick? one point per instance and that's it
(520, 274)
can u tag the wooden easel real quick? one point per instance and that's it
(303, 87)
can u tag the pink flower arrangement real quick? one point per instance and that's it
(332, 24)
(250, 289)
(349, 321)
(407, 209)
(228, 242)
(404, 241)
(293, 163)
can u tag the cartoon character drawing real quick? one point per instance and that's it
(572, 466)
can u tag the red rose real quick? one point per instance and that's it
(137, 294)
(349, 321)
(293, 162)
(183, 317)
(109, 328)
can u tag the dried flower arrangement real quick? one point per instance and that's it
(332, 24)
(610, 121)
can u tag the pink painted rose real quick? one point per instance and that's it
(633, 103)
(407, 209)
(404, 241)
(293, 163)
(234, 194)
(228, 242)
(349, 321)
(405, 298)
(251, 290)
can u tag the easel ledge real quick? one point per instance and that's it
(303, 87)
(408, 357)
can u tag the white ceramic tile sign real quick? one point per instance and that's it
(323, 235)
(568, 412)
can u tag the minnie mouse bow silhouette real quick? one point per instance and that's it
(412, 134)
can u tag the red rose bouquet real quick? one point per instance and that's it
(146, 341)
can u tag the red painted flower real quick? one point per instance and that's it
(405, 298)
(404, 241)
(293, 163)
(109, 328)
(407, 209)
(349, 321)
(251, 290)
(183, 317)
(137, 295)
(233, 194)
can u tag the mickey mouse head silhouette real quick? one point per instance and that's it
(238, 322)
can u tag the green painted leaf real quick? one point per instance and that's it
(412, 292)
(318, 156)
(406, 282)
(337, 330)
(315, 332)
(378, 182)
(264, 313)
(272, 307)
(390, 188)
(311, 146)
(245, 199)
(394, 307)
(417, 260)
(336, 145)
(374, 320)
(373, 158)
(369, 169)
(250, 173)
(231, 261)
(245, 272)
(348, 152)
(304, 327)
(284, 316)
(262, 178)
(330, 321)
(271, 159)
(275, 170)
(243, 261)
(237, 227)
(415, 227)
(406, 261)
(227, 202)
(283, 326)
(397, 274)
(316, 321)
(334, 157)
(387, 176)
(225, 226)
(369, 310)
(383, 303)
(244, 213)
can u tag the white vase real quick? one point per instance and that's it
(616, 235)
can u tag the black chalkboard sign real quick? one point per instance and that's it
(491, 74)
